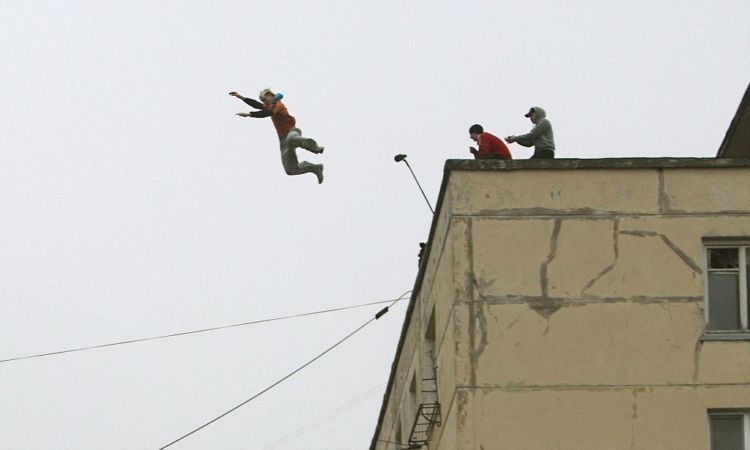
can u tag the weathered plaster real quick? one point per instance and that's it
(477, 336)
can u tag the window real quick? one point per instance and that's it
(728, 290)
(730, 430)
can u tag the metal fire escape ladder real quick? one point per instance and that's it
(428, 414)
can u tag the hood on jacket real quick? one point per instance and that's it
(540, 113)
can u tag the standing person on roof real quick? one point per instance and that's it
(540, 136)
(490, 146)
(290, 137)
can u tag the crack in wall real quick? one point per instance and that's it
(606, 270)
(666, 309)
(573, 301)
(634, 415)
(510, 325)
(477, 322)
(463, 281)
(677, 250)
(544, 280)
(523, 212)
(684, 257)
(665, 204)
(469, 279)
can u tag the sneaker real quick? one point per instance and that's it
(319, 173)
(319, 150)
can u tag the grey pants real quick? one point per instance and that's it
(289, 144)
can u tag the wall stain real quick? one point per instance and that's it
(697, 360)
(463, 400)
(545, 307)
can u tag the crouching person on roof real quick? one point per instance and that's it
(490, 146)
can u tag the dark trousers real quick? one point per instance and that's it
(543, 154)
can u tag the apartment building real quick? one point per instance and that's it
(581, 304)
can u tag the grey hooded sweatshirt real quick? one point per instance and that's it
(540, 136)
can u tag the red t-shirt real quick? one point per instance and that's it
(281, 119)
(489, 144)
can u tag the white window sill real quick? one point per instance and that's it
(726, 336)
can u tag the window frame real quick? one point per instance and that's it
(743, 247)
(744, 412)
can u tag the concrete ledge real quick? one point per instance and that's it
(604, 163)
(735, 336)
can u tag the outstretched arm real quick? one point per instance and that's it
(252, 102)
(258, 114)
(527, 140)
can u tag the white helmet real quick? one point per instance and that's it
(264, 92)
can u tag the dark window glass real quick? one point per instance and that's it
(727, 432)
(723, 301)
(723, 258)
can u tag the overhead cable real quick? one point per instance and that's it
(204, 330)
(286, 377)
(330, 415)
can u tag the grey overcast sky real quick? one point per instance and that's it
(134, 203)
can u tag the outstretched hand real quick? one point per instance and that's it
(243, 114)
(234, 94)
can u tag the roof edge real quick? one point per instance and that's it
(602, 163)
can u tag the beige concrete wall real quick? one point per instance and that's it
(569, 309)
(707, 190)
(525, 191)
(590, 295)
(611, 418)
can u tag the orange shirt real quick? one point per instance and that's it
(281, 119)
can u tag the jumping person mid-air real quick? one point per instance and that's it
(290, 137)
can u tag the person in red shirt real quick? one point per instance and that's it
(290, 137)
(490, 146)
